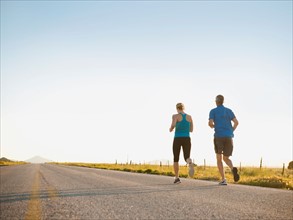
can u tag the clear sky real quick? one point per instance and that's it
(98, 81)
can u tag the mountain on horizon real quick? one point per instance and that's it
(38, 159)
(4, 159)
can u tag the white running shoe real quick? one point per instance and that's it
(223, 182)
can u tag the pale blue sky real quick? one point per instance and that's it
(97, 81)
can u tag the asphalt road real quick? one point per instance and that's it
(44, 191)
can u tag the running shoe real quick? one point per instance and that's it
(190, 170)
(177, 180)
(235, 174)
(223, 182)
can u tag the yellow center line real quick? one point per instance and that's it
(34, 207)
(52, 192)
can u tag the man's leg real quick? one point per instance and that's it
(220, 165)
(228, 162)
(234, 170)
(228, 152)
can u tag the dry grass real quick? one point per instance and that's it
(11, 163)
(265, 177)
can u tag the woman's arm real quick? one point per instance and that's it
(174, 120)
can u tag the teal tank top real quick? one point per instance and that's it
(182, 127)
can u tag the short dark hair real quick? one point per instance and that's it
(220, 100)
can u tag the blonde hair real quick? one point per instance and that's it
(180, 106)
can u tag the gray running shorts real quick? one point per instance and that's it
(223, 145)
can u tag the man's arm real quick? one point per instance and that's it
(174, 120)
(235, 123)
(211, 123)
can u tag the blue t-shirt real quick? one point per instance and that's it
(222, 118)
(182, 127)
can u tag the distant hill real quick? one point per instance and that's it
(38, 159)
(4, 159)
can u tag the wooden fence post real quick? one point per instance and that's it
(260, 165)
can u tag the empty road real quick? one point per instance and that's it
(44, 191)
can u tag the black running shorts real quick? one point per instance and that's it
(186, 145)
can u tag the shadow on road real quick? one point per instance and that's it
(141, 189)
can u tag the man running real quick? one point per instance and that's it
(183, 125)
(220, 119)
